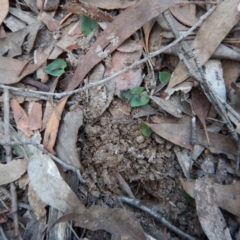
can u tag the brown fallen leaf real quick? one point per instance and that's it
(20, 117)
(35, 116)
(4, 6)
(113, 4)
(12, 171)
(122, 27)
(119, 222)
(227, 196)
(67, 137)
(201, 107)
(14, 70)
(11, 46)
(225, 14)
(147, 28)
(87, 10)
(49, 21)
(51, 131)
(185, 14)
(179, 133)
(167, 106)
(120, 60)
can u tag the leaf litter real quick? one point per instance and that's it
(136, 146)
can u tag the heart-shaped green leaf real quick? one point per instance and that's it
(137, 90)
(164, 76)
(87, 25)
(146, 131)
(126, 94)
(138, 100)
(56, 68)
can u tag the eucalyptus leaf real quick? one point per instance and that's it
(164, 76)
(56, 68)
(146, 131)
(87, 25)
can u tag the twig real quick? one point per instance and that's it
(158, 217)
(134, 65)
(14, 209)
(41, 148)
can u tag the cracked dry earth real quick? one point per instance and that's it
(114, 144)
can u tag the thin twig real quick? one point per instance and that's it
(41, 148)
(134, 65)
(158, 217)
(14, 209)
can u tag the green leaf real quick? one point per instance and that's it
(164, 76)
(87, 25)
(146, 131)
(126, 94)
(137, 100)
(56, 68)
(187, 197)
(137, 90)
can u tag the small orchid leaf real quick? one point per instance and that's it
(137, 100)
(126, 94)
(56, 68)
(87, 25)
(146, 130)
(137, 90)
(164, 76)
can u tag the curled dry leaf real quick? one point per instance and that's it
(119, 222)
(20, 117)
(12, 171)
(225, 14)
(4, 6)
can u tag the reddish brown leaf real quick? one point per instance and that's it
(21, 118)
(51, 131)
(4, 5)
(35, 116)
(201, 107)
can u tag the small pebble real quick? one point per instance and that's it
(140, 139)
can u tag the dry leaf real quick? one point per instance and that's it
(20, 117)
(67, 137)
(147, 28)
(4, 5)
(49, 21)
(47, 182)
(119, 222)
(225, 14)
(179, 133)
(210, 216)
(11, 46)
(11, 68)
(120, 60)
(100, 98)
(12, 171)
(201, 107)
(51, 131)
(227, 195)
(35, 116)
(113, 4)
(185, 14)
(167, 106)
